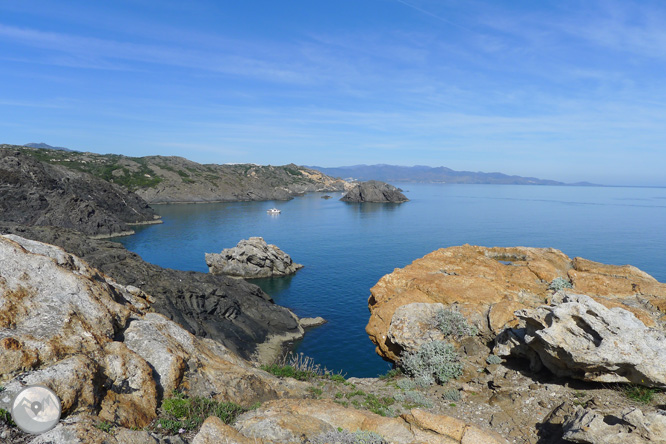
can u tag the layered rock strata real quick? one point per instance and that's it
(37, 193)
(237, 314)
(487, 285)
(252, 258)
(374, 191)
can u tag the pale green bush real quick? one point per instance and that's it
(342, 436)
(435, 361)
(452, 323)
(559, 283)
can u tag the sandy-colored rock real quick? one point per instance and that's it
(289, 421)
(214, 431)
(412, 325)
(488, 284)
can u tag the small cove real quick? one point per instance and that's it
(346, 248)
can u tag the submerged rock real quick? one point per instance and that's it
(374, 191)
(580, 338)
(252, 258)
(487, 285)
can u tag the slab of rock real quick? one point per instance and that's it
(289, 421)
(65, 325)
(374, 191)
(487, 285)
(252, 258)
(631, 426)
(580, 338)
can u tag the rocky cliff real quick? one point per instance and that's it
(126, 375)
(37, 193)
(487, 285)
(160, 179)
(374, 191)
(231, 311)
(252, 258)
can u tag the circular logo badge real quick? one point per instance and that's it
(36, 409)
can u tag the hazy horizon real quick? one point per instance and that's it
(554, 90)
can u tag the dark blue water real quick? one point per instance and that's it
(346, 248)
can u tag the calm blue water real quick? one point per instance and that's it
(346, 248)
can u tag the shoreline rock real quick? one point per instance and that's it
(374, 191)
(250, 259)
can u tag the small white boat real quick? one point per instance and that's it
(273, 211)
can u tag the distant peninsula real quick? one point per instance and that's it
(420, 173)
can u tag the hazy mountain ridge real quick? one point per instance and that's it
(162, 179)
(45, 146)
(421, 173)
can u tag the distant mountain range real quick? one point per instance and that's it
(420, 173)
(45, 146)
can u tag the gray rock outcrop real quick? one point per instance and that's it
(234, 312)
(631, 426)
(580, 338)
(374, 191)
(37, 193)
(252, 258)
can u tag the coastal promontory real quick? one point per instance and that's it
(374, 191)
(252, 258)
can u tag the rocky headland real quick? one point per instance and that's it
(171, 179)
(37, 193)
(125, 374)
(541, 347)
(252, 258)
(374, 191)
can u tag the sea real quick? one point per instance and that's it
(347, 247)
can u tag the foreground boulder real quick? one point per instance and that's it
(292, 421)
(579, 338)
(236, 313)
(65, 325)
(487, 285)
(252, 258)
(631, 426)
(374, 191)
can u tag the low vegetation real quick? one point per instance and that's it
(435, 361)
(180, 413)
(454, 324)
(639, 393)
(559, 283)
(342, 436)
(301, 367)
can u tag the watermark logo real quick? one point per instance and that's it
(36, 409)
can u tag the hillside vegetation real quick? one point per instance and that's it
(161, 179)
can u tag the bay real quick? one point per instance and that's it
(346, 248)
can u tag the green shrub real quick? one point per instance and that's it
(559, 283)
(639, 393)
(493, 359)
(415, 398)
(6, 417)
(393, 373)
(346, 437)
(181, 412)
(452, 323)
(104, 426)
(406, 384)
(451, 395)
(435, 361)
(380, 406)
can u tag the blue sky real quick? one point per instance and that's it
(563, 90)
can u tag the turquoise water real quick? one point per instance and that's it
(346, 248)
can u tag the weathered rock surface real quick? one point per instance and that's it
(252, 258)
(631, 426)
(580, 338)
(374, 191)
(65, 325)
(37, 193)
(289, 421)
(487, 285)
(238, 314)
